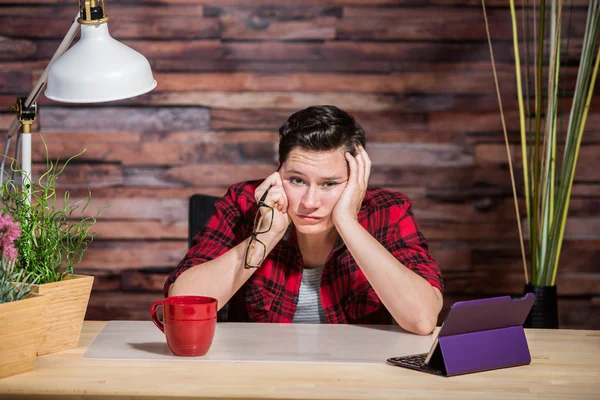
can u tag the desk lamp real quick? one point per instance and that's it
(96, 69)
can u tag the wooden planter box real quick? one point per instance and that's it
(68, 300)
(21, 327)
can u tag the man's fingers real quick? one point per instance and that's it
(273, 180)
(360, 179)
(270, 182)
(368, 168)
(284, 200)
(277, 199)
(367, 164)
(352, 179)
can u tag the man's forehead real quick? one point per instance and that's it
(315, 154)
(324, 164)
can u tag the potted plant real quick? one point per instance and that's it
(21, 312)
(549, 152)
(54, 237)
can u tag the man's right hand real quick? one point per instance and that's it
(277, 199)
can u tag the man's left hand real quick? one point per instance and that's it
(351, 199)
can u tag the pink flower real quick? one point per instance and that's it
(9, 232)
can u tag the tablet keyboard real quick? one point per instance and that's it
(418, 360)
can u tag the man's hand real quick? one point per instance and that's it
(351, 199)
(277, 199)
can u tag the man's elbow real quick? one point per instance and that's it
(427, 321)
(175, 288)
(425, 326)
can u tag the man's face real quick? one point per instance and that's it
(313, 183)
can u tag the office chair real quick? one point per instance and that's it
(201, 208)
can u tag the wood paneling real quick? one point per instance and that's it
(250, 26)
(102, 119)
(421, 82)
(16, 49)
(288, 3)
(415, 74)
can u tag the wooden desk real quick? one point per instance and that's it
(565, 364)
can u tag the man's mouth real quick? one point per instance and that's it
(310, 217)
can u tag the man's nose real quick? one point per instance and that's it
(311, 198)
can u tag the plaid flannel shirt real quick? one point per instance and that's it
(271, 293)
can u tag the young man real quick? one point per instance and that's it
(312, 242)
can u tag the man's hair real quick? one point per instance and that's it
(320, 128)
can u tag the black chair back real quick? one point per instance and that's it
(201, 208)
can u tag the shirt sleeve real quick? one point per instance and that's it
(408, 245)
(221, 233)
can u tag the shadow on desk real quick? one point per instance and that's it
(152, 347)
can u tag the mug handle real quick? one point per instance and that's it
(155, 319)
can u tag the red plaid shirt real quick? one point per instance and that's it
(271, 293)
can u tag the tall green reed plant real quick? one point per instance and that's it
(54, 236)
(548, 163)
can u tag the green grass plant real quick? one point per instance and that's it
(54, 235)
(549, 153)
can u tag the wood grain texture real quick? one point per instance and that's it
(21, 328)
(123, 118)
(65, 10)
(11, 49)
(415, 74)
(68, 300)
(372, 3)
(434, 24)
(252, 26)
(199, 50)
(115, 256)
(565, 356)
(423, 82)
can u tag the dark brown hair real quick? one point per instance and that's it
(320, 128)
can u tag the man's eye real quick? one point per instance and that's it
(330, 184)
(296, 181)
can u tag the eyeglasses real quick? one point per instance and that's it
(263, 210)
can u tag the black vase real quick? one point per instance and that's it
(544, 313)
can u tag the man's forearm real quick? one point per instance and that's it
(222, 277)
(411, 300)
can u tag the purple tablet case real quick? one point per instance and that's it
(480, 335)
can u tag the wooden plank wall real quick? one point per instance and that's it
(415, 74)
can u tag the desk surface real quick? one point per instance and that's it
(565, 364)
(264, 343)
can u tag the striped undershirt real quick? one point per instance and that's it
(309, 309)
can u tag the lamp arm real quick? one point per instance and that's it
(35, 92)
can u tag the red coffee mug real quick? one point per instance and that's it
(188, 323)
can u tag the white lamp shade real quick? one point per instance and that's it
(98, 68)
